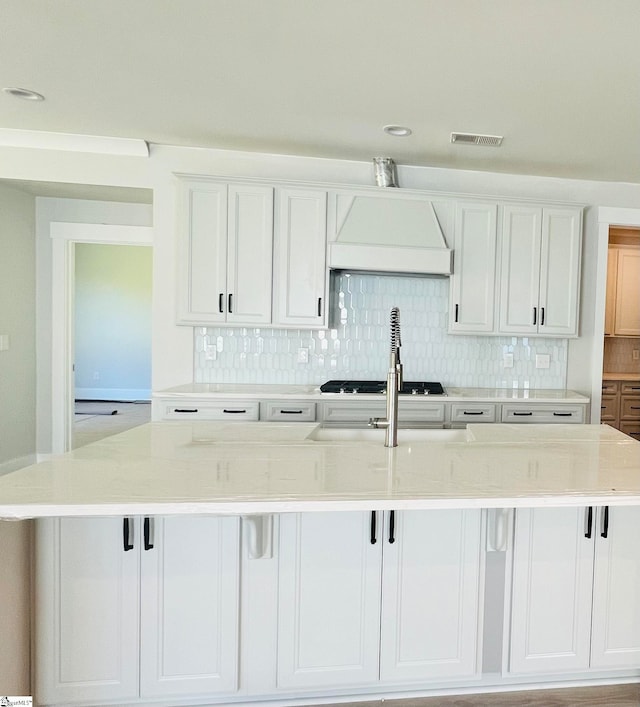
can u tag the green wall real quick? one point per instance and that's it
(112, 322)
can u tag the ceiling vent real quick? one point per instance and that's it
(475, 139)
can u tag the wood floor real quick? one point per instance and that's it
(614, 696)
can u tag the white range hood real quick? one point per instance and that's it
(393, 234)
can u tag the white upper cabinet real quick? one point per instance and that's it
(225, 253)
(300, 273)
(540, 270)
(473, 282)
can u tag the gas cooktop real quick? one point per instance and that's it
(380, 387)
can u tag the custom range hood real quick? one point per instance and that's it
(394, 233)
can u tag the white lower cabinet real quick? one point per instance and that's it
(364, 600)
(132, 608)
(575, 604)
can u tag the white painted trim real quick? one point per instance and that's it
(64, 236)
(113, 394)
(102, 233)
(71, 142)
(607, 217)
(17, 463)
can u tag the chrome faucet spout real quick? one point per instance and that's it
(394, 381)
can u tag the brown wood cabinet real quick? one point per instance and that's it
(620, 406)
(622, 314)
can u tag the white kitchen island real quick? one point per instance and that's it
(228, 563)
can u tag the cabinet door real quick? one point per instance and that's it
(250, 254)
(202, 254)
(551, 593)
(430, 596)
(300, 258)
(615, 641)
(329, 600)
(610, 306)
(559, 272)
(520, 270)
(189, 607)
(628, 293)
(87, 598)
(474, 269)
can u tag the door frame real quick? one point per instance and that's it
(607, 217)
(64, 236)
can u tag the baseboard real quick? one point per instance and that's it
(119, 394)
(15, 464)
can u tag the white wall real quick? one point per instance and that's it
(17, 424)
(17, 321)
(112, 322)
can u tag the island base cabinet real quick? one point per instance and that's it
(130, 609)
(329, 600)
(431, 596)
(575, 604)
(375, 597)
(87, 612)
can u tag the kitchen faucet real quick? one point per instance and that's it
(394, 384)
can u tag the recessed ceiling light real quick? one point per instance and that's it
(24, 93)
(397, 130)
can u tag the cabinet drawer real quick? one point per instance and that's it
(281, 411)
(423, 414)
(609, 408)
(543, 414)
(238, 410)
(630, 388)
(630, 408)
(631, 428)
(473, 412)
(609, 387)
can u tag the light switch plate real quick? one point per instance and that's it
(507, 360)
(542, 360)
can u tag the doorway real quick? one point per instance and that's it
(111, 339)
(66, 237)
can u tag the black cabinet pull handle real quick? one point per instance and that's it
(473, 412)
(291, 412)
(319, 306)
(185, 409)
(634, 387)
(522, 414)
(589, 523)
(392, 527)
(562, 414)
(541, 316)
(373, 537)
(634, 434)
(221, 302)
(635, 407)
(605, 523)
(127, 545)
(535, 316)
(233, 412)
(148, 545)
(229, 307)
(456, 317)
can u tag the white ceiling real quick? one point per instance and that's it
(560, 79)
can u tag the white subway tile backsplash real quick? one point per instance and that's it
(358, 344)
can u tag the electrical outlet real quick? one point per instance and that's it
(210, 353)
(303, 355)
(636, 354)
(542, 360)
(507, 360)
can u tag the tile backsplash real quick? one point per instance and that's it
(357, 345)
(618, 355)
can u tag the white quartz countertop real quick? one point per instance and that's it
(252, 468)
(312, 392)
